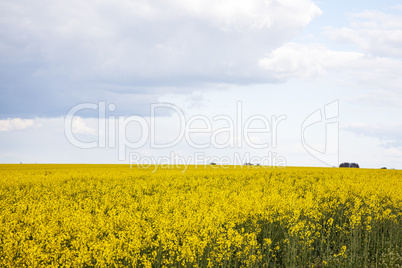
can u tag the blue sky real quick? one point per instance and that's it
(201, 64)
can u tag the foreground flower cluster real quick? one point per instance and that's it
(213, 216)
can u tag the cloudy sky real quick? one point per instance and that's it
(276, 82)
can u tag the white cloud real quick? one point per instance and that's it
(118, 39)
(65, 52)
(397, 7)
(375, 65)
(375, 33)
(294, 60)
(253, 14)
(11, 124)
(394, 153)
(380, 97)
(381, 76)
(79, 126)
(388, 134)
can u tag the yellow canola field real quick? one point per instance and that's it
(205, 216)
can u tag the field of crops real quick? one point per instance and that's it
(213, 216)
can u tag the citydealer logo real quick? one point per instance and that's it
(220, 132)
(238, 130)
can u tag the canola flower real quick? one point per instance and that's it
(207, 216)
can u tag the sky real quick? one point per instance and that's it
(270, 82)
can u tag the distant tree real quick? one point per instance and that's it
(383, 168)
(349, 165)
(213, 163)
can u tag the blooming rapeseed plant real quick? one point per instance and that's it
(208, 216)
